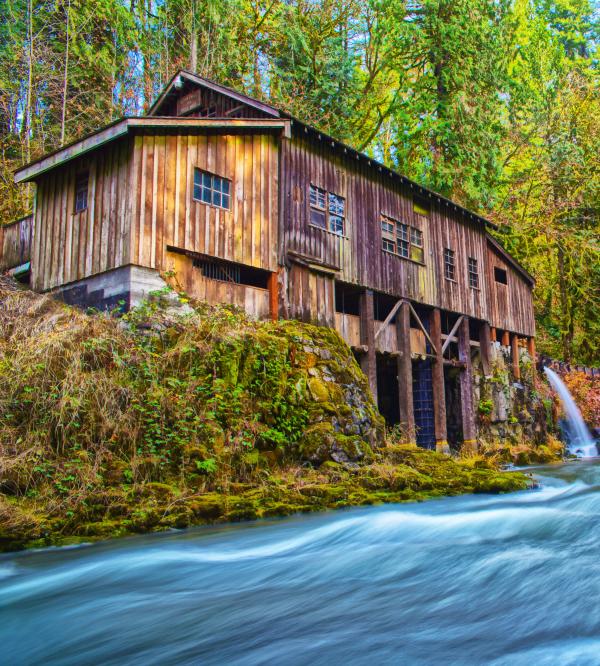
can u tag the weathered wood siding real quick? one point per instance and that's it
(70, 246)
(358, 255)
(15, 243)
(166, 214)
(511, 304)
(187, 278)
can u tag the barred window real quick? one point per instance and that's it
(449, 264)
(212, 189)
(327, 210)
(473, 273)
(81, 191)
(401, 239)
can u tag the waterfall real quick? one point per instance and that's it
(580, 441)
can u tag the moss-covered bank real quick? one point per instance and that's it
(161, 419)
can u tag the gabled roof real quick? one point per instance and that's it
(183, 75)
(124, 126)
(497, 247)
(179, 79)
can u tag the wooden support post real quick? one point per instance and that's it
(493, 334)
(405, 387)
(514, 344)
(531, 352)
(368, 361)
(439, 394)
(273, 286)
(485, 347)
(505, 339)
(466, 388)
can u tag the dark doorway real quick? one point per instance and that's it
(423, 403)
(387, 388)
(453, 407)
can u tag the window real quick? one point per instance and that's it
(399, 238)
(500, 275)
(211, 189)
(81, 191)
(449, 264)
(473, 273)
(420, 206)
(226, 271)
(327, 210)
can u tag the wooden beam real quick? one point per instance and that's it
(405, 388)
(273, 286)
(505, 339)
(451, 334)
(493, 334)
(122, 127)
(531, 352)
(388, 319)
(514, 344)
(466, 388)
(368, 361)
(439, 393)
(485, 345)
(425, 333)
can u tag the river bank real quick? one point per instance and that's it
(175, 416)
(464, 580)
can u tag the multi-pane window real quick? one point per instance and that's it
(212, 189)
(81, 191)
(473, 273)
(401, 239)
(327, 210)
(449, 267)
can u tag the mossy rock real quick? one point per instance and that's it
(320, 442)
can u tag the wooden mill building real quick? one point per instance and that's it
(236, 201)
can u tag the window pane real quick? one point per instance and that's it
(225, 203)
(387, 227)
(336, 224)
(317, 196)
(416, 237)
(317, 218)
(206, 195)
(336, 204)
(416, 253)
(403, 248)
(403, 232)
(197, 177)
(388, 245)
(224, 186)
(216, 198)
(206, 179)
(197, 191)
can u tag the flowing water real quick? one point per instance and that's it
(580, 442)
(512, 579)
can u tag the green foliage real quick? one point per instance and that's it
(485, 407)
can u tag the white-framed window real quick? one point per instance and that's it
(327, 210)
(449, 265)
(473, 273)
(401, 239)
(212, 189)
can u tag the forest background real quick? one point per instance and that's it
(493, 103)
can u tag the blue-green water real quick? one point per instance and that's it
(509, 580)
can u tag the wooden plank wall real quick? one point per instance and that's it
(188, 279)
(15, 243)
(69, 246)
(165, 212)
(358, 255)
(310, 296)
(511, 305)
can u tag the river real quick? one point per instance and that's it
(509, 580)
